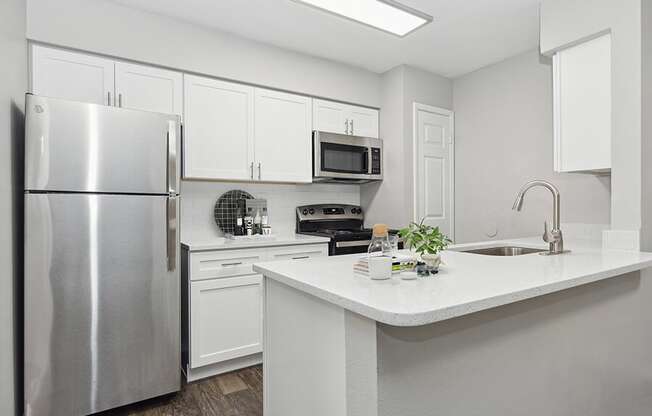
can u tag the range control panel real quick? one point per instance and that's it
(329, 211)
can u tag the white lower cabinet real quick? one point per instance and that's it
(218, 332)
(222, 312)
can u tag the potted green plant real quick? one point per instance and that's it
(425, 240)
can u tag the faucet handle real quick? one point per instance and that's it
(550, 236)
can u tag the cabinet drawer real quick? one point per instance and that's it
(298, 252)
(224, 263)
(226, 319)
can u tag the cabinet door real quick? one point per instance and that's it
(283, 137)
(363, 122)
(218, 130)
(225, 319)
(582, 106)
(141, 87)
(330, 116)
(72, 76)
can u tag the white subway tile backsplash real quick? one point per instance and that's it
(198, 200)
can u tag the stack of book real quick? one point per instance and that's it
(399, 263)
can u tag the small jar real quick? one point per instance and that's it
(380, 245)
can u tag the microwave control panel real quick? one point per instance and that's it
(375, 161)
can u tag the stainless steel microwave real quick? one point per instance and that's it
(346, 159)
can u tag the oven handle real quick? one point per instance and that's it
(356, 243)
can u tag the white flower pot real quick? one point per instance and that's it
(432, 260)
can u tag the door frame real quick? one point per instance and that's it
(416, 106)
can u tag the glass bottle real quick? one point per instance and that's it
(257, 225)
(249, 222)
(380, 245)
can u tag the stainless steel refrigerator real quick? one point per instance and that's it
(102, 281)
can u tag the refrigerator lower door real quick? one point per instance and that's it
(102, 310)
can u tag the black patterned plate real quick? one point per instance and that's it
(226, 209)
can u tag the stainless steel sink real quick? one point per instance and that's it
(504, 251)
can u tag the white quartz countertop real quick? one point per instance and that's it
(467, 282)
(228, 244)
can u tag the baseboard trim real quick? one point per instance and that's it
(194, 374)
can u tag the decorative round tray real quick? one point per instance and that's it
(226, 209)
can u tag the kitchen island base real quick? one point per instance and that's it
(581, 351)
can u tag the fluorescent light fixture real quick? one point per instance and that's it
(386, 15)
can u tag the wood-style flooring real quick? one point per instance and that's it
(239, 393)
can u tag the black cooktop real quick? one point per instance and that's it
(345, 234)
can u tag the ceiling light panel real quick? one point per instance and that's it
(386, 15)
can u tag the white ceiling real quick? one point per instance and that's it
(465, 34)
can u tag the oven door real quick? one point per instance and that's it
(343, 158)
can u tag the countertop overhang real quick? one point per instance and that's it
(467, 283)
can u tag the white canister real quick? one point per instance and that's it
(380, 267)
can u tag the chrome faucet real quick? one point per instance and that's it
(553, 237)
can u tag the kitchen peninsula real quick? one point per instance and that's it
(488, 335)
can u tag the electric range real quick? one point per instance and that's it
(342, 223)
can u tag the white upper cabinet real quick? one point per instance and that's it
(582, 107)
(218, 138)
(341, 118)
(92, 79)
(71, 75)
(142, 87)
(363, 122)
(283, 145)
(330, 116)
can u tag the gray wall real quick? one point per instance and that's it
(383, 202)
(504, 137)
(13, 72)
(646, 128)
(565, 22)
(109, 28)
(391, 201)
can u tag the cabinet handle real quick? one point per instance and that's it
(120, 100)
(351, 126)
(346, 126)
(259, 171)
(237, 263)
(252, 170)
(109, 98)
(300, 257)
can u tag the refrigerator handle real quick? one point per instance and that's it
(172, 157)
(172, 232)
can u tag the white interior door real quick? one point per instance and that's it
(147, 88)
(72, 76)
(434, 170)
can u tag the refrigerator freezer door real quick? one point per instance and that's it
(102, 309)
(79, 147)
